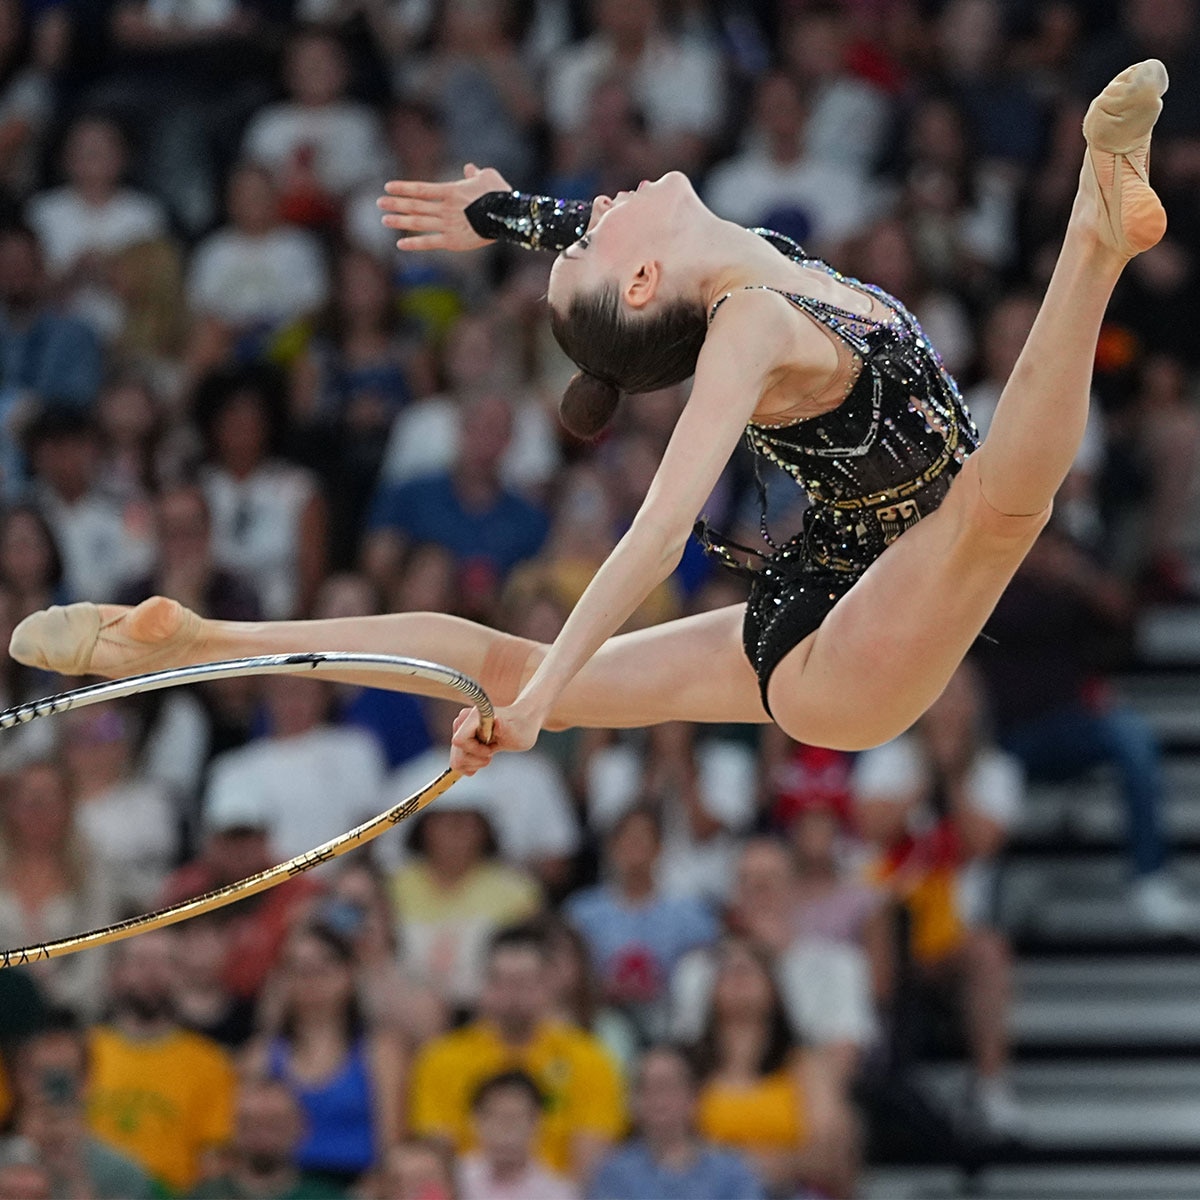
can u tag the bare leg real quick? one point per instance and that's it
(886, 651)
(665, 673)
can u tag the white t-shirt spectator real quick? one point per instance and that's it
(847, 123)
(687, 867)
(832, 199)
(524, 797)
(424, 440)
(270, 278)
(133, 827)
(307, 789)
(344, 138)
(100, 550)
(68, 227)
(826, 989)
(677, 84)
(256, 528)
(996, 786)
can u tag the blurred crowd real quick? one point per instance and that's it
(680, 962)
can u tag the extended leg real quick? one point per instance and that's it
(693, 669)
(886, 651)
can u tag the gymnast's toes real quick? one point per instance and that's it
(60, 638)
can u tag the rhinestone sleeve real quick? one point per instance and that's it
(535, 222)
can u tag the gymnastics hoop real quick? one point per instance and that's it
(267, 664)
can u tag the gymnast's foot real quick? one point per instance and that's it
(109, 639)
(1117, 128)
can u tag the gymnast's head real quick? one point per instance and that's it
(626, 302)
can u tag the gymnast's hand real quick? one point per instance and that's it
(513, 730)
(430, 215)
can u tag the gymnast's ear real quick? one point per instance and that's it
(643, 286)
(588, 405)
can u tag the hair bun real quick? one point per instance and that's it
(588, 405)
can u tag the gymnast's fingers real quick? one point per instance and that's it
(424, 241)
(417, 190)
(400, 204)
(416, 223)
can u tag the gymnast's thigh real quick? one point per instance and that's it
(890, 644)
(692, 669)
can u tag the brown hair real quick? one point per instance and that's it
(616, 353)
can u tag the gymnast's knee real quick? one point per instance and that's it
(984, 520)
(508, 665)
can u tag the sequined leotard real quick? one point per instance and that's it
(871, 468)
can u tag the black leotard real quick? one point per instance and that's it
(871, 468)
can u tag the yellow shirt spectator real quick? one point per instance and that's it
(575, 1073)
(163, 1102)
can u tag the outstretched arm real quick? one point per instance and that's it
(478, 209)
(749, 344)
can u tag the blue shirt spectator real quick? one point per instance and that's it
(670, 1161)
(634, 934)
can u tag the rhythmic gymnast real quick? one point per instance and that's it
(853, 628)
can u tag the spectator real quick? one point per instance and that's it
(204, 1001)
(704, 791)
(130, 418)
(362, 369)
(99, 547)
(269, 518)
(235, 845)
(26, 95)
(418, 1168)
(157, 1092)
(476, 80)
(309, 780)
(676, 81)
(125, 818)
(478, 357)
(577, 999)
(669, 1157)
(185, 565)
(635, 934)
(398, 721)
(47, 356)
(53, 884)
(515, 1028)
(23, 1176)
(848, 115)
(31, 566)
(455, 894)
(50, 1077)
(268, 1127)
(318, 144)
(505, 1112)
(83, 224)
(939, 802)
(19, 684)
(467, 509)
(540, 835)
(252, 281)
(360, 909)
(765, 1096)
(347, 1077)
(1004, 332)
(1055, 711)
(825, 980)
(775, 183)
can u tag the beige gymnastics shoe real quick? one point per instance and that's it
(1116, 170)
(107, 639)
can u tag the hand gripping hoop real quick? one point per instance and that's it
(267, 664)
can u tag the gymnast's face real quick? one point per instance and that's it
(628, 239)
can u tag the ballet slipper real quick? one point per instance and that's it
(106, 639)
(1115, 171)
